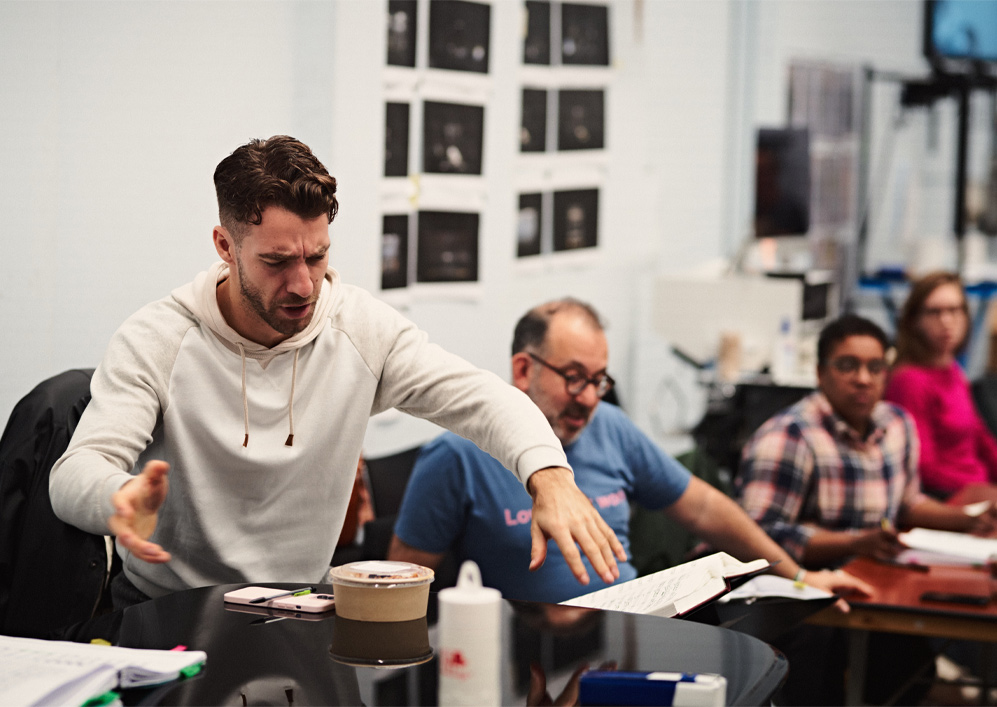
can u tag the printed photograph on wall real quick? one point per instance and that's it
(536, 46)
(396, 127)
(533, 130)
(576, 219)
(529, 225)
(458, 35)
(401, 32)
(447, 247)
(394, 252)
(452, 140)
(580, 120)
(584, 34)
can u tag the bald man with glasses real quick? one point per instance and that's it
(457, 498)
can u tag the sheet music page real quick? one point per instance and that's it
(649, 594)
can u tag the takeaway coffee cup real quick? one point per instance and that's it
(377, 590)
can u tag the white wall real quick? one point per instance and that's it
(113, 116)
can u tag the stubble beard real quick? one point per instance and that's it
(271, 316)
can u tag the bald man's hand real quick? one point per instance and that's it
(563, 513)
(136, 510)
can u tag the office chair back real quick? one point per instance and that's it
(985, 397)
(51, 573)
(387, 478)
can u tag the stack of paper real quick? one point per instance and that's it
(940, 547)
(35, 672)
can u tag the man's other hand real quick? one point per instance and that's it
(136, 509)
(563, 513)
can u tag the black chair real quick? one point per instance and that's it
(51, 573)
(387, 478)
(985, 396)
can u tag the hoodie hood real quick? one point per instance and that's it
(201, 299)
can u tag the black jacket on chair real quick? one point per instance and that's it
(51, 574)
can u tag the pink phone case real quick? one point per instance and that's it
(311, 603)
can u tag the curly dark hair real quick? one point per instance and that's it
(911, 346)
(279, 171)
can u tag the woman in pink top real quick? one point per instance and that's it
(956, 447)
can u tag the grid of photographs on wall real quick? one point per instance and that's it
(565, 78)
(448, 247)
(459, 35)
(579, 30)
(394, 251)
(574, 224)
(436, 85)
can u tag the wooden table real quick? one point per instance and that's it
(897, 606)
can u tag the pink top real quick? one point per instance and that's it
(956, 446)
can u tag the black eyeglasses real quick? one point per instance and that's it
(575, 382)
(850, 365)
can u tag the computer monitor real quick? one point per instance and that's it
(960, 30)
(782, 182)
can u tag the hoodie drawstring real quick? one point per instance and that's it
(245, 399)
(290, 402)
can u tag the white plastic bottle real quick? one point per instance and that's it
(784, 354)
(470, 644)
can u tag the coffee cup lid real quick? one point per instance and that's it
(381, 572)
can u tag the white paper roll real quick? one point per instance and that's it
(470, 650)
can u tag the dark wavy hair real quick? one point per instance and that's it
(911, 346)
(844, 327)
(531, 329)
(279, 171)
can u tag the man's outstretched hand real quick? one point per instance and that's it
(136, 509)
(564, 514)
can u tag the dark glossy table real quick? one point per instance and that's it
(260, 659)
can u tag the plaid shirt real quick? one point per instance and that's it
(806, 468)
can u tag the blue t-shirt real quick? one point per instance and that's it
(460, 497)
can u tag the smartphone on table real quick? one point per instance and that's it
(270, 598)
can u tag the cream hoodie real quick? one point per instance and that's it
(178, 384)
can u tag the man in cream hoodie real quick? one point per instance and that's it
(243, 397)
